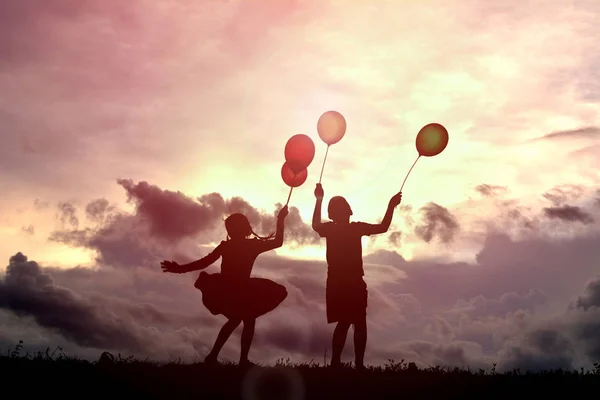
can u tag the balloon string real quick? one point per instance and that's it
(409, 172)
(289, 195)
(323, 167)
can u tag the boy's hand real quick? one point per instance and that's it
(283, 213)
(319, 194)
(396, 199)
(170, 266)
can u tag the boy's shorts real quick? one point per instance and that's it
(346, 299)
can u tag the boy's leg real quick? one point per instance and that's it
(247, 336)
(360, 342)
(339, 339)
(224, 334)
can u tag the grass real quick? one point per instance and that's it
(52, 373)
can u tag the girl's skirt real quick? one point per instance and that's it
(243, 298)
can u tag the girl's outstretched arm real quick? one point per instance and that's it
(204, 262)
(277, 241)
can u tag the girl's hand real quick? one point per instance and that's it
(319, 193)
(170, 266)
(282, 213)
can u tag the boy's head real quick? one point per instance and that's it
(339, 210)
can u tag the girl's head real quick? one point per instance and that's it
(339, 210)
(238, 227)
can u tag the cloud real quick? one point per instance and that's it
(591, 132)
(561, 194)
(489, 190)
(173, 216)
(509, 308)
(98, 210)
(27, 290)
(29, 230)
(591, 295)
(67, 214)
(164, 221)
(569, 213)
(394, 238)
(40, 205)
(507, 303)
(75, 115)
(437, 221)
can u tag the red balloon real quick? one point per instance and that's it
(331, 127)
(432, 139)
(299, 152)
(291, 178)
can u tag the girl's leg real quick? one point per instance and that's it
(247, 336)
(339, 339)
(224, 334)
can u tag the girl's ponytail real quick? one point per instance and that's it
(269, 236)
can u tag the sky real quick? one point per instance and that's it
(128, 131)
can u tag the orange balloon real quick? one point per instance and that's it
(331, 127)
(299, 152)
(291, 178)
(432, 139)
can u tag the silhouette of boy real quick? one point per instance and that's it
(346, 290)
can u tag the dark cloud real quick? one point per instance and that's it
(564, 193)
(27, 290)
(97, 317)
(437, 221)
(569, 213)
(30, 230)
(395, 238)
(310, 286)
(533, 359)
(590, 296)
(489, 190)
(67, 214)
(297, 230)
(40, 204)
(591, 132)
(501, 309)
(123, 242)
(98, 210)
(563, 341)
(164, 219)
(388, 257)
(173, 215)
(480, 306)
(514, 216)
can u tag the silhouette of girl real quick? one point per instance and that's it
(232, 292)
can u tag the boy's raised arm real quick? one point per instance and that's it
(373, 229)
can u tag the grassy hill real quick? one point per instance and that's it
(43, 374)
